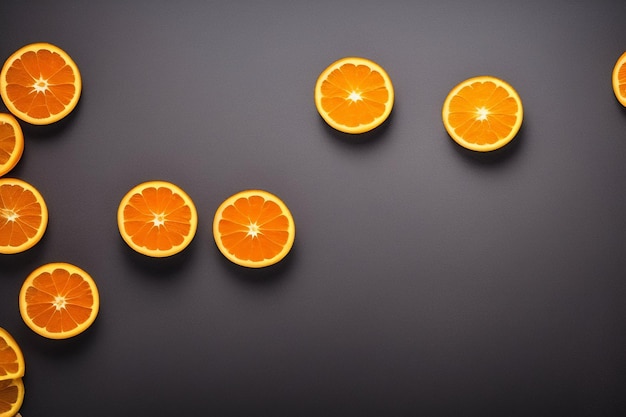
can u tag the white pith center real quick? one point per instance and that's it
(482, 114)
(253, 230)
(158, 220)
(59, 302)
(10, 215)
(40, 85)
(355, 96)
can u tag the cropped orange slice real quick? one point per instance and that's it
(40, 83)
(59, 300)
(619, 79)
(254, 228)
(354, 95)
(11, 397)
(11, 143)
(23, 216)
(157, 219)
(11, 357)
(482, 113)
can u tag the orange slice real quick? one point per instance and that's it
(619, 79)
(254, 228)
(23, 216)
(59, 300)
(40, 83)
(11, 396)
(11, 143)
(354, 95)
(482, 113)
(157, 218)
(11, 357)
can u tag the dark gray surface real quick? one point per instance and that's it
(425, 280)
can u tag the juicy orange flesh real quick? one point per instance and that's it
(8, 359)
(157, 219)
(483, 113)
(59, 301)
(7, 142)
(8, 395)
(621, 77)
(354, 95)
(20, 215)
(254, 229)
(40, 83)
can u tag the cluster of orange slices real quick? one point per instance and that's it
(355, 95)
(253, 228)
(40, 84)
(12, 370)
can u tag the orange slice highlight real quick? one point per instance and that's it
(619, 79)
(254, 228)
(59, 300)
(40, 83)
(11, 396)
(11, 357)
(482, 113)
(354, 95)
(23, 216)
(157, 219)
(11, 143)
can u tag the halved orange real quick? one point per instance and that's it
(11, 357)
(40, 83)
(254, 228)
(354, 95)
(11, 397)
(11, 143)
(59, 300)
(157, 218)
(619, 79)
(482, 113)
(23, 216)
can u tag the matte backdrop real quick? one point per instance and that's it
(425, 280)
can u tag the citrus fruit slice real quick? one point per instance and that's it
(157, 218)
(23, 216)
(11, 357)
(59, 300)
(354, 95)
(11, 396)
(40, 83)
(482, 113)
(254, 228)
(11, 143)
(619, 79)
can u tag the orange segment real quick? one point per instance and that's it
(40, 83)
(11, 143)
(23, 216)
(254, 228)
(354, 95)
(11, 357)
(619, 79)
(59, 300)
(11, 396)
(157, 219)
(482, 113)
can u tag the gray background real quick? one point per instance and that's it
(425, 280)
